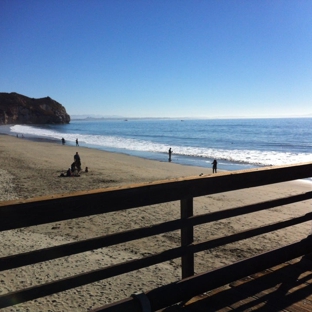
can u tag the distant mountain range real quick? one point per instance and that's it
(97, 117)
(90, 117)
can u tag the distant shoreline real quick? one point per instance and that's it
(162, 157)
(241, 155)
(181, 118)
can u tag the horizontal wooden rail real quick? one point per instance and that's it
(187, 288)
(51, 253)
(221, 241)
(125, 267)
(81, 204)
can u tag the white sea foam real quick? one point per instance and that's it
(246, 156)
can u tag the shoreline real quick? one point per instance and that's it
(30, 162)
(31, 169)
(224, 165)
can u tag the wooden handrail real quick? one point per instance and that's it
(45, 254)
(81, 204)
(187, 288)
(17, 214)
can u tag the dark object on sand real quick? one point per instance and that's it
(169, 152)
(214, 166)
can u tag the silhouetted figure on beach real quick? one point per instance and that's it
(76, 157)
(169, 152)
(73, 166)
(214, 166)
(77, 161)
(77, 144)
(68, 172)
(63, 141)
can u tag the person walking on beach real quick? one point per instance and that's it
(214, 166)
(63, 141)
(77, 144)
(169, 152)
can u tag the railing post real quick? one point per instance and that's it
(187, 238)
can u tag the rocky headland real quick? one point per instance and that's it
(20, 109)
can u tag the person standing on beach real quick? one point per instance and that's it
(76, 157)
(63, 141)
(77, 144)
(169, 152)
(214, 166)
(77, 161)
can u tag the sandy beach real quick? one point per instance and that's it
(31, 169)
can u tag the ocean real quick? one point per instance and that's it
(235, 143)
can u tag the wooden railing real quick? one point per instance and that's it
(17, 214)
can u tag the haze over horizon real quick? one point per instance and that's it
(174, 59)
(95, 117)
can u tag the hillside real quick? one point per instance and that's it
(20, 109)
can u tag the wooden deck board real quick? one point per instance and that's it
(286, 287)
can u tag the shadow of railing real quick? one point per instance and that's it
(271, 290)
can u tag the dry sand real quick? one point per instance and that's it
(31, 169)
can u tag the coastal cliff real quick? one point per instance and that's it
(19, 109)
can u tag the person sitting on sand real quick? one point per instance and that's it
(68, 173)
(73, 166)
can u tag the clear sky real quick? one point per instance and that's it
(160, 58)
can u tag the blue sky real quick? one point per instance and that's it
(164, 58)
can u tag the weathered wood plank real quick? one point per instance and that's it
(269, 290)
(187, 238)
(63, 207)
(89, 277)
(192, 286)
(216, 280)
(50, 253)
